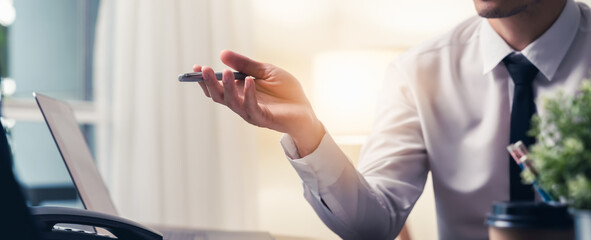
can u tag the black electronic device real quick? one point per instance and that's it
(49, 217)
(198, 77)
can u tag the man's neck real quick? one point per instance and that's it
(523, 28)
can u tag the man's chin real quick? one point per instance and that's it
(499, 9)
(493, 12)
(490, 13)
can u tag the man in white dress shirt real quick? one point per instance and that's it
(445, 108)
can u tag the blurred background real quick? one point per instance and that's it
(168, 154)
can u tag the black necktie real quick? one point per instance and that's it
(523, 73)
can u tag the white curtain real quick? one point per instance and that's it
(168, 154)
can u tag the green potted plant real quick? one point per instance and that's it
(562, 153)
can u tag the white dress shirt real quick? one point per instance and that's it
(445, 108)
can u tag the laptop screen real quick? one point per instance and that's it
(77, 157)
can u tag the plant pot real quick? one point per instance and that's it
(582, 223)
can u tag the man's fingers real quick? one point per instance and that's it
(251, 105)
(243, 64)
(228, 93)
(204, 88)
(197, 68)
(216, 91)
(231, 97)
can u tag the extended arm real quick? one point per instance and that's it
(372, 203)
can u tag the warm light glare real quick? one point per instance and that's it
(308, 25)
(414, 17)
(398, 22)
(346, 85)
(292, 13)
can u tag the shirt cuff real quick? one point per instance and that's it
(321, 168)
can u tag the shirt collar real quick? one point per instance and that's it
(546, 52)
(492, 47)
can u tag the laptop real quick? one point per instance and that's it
(89, 183)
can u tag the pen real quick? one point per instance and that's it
(198, 76)
(519, 153)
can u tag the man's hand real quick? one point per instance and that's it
(273, 99)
